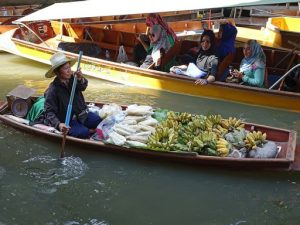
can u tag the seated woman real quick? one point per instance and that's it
(159, 45)
(226, 40)
(57, 97)
(225, 49)
(252, 68)
(206, 61)
(153, 19)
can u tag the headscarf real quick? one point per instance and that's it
(226, 46)
(161, 43)
(211, 50)
(256, 60)
(155, 19)
(205, 57)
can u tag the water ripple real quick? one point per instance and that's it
(50, 172)
(91, 222)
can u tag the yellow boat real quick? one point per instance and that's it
(287, 29)
(41, 48)
(280, 32)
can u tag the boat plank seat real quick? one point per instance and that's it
(128, 40)
(223, 65)
(55, 41)
(110, 40)
(274, 69)
(186, 45)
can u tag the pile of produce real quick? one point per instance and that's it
(212, 135)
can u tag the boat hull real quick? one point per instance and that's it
(285, 138)
(130, 75)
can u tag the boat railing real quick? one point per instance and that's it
(33, 32)
(284, 76)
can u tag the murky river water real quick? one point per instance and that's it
(91, 187)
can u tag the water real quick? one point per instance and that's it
(93, 187)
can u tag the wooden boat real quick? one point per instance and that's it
(50, 36)
(285, 139)
(287, 30)
(279, 32)
(268, 35)
(130, 75)
(257, 16)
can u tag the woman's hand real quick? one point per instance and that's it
(237, 74)
(201, 82)
(63, 128)
(79, 74)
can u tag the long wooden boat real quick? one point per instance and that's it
(285, 140)
(129, 75)
(277, 33)
(51, 35)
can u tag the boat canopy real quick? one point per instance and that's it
(96, 8)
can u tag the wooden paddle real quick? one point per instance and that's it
(69, 110)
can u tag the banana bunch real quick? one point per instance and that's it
(195, 145)
(207, 137)
(232, 123)
(170, 124)
(198, 122)
(163, 139)
(216, 119)
(172, 115)
(180, 117)
(220, 131)
(195, 127)
(212, 121)
(186, 133)
(185, 117)
(209, 140)
(223, 147)
(254, 139)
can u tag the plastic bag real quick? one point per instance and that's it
(105, 127)
(191, 70)
(122, 56)
(139, 110)
(268, 150)
(110, 109)
(194, 71)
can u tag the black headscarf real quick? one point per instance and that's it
(212, 49)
